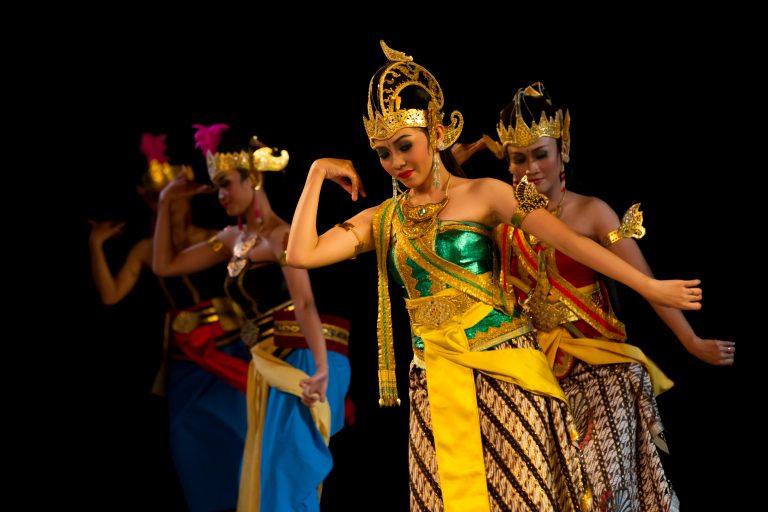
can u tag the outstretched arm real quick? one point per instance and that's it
(717, 352)
(545, 226)
(679, 294)
(112, 289)
(308, 250)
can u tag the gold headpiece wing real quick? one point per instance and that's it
(260, 160)
(385, 117)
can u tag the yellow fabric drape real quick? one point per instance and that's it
(596, 351)
(453, 399)
(267, 371)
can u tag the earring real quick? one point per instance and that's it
(256, 210)
(440, 146)
(395, 188)
(436, 170)
(562, 177)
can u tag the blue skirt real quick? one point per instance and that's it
(294, 459)
(208, 424)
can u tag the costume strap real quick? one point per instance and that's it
(382, 229)
(560, 289)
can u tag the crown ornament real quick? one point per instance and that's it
(385, 117)
(520, 134)
(263, 159)
(159, 172)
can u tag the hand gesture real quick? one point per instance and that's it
(182, 187)
(315, 387)
(462, 152)
(343, 173)
(104, 230)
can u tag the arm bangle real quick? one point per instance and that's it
(631, 227)
(348, 226)
(215, 244)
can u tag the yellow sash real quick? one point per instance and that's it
(597, 351)
(267, 371)
(453, 399)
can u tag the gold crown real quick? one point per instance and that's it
(260, 160)
(521, 134)
(160, 174)
(400, 73)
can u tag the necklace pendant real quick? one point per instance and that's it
(245, 242)
(421, 211)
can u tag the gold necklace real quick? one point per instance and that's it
(245, 242)
(559, 209)
(421, 219)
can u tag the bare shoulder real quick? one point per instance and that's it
(590, 215)
(197, 234)
(276, 231)
(478, 185)
(592, 205)
(228, 236)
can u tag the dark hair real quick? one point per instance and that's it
(530, 110)
(413, 96)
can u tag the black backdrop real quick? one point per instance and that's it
(639, 135)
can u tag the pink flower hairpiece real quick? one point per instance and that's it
(207, 138)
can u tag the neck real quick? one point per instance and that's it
(426, 192)
(259, 202)
(556, 199)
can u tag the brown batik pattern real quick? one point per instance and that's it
(617, 416)
(531, 465)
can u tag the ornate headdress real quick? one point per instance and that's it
(520, 134)
(385, 117)
(160, 172)
(207, 138)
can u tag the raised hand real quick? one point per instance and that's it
(181, 187)
(462, 152)
(104, 230)
(343, 173)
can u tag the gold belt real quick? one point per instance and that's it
(435, 310)
(546, 315)
(220, 310)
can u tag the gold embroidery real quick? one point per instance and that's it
(420, 219)
(434, 311)
(546, 315)
(528, 199)
(245, 242)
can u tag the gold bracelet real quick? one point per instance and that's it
(216, 244)
(528, 199)
(348, 226)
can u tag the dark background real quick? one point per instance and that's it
(646, 127)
